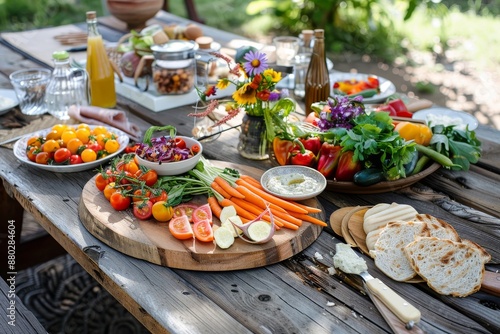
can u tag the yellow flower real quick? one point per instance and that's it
(245, 95)
(272, 74)
(223, 83)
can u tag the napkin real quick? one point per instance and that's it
(101, 116)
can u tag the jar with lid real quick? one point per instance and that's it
(174, 67)
(206, 62)
(67, 86)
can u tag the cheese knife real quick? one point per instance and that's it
(346, 260)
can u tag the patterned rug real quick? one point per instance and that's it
(66, 299)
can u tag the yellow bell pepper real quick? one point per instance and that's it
(418, 132)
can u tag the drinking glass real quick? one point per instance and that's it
(287, 48)
(30, 85)
(301, 64)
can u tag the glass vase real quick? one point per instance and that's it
(253, 139)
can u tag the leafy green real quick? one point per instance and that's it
(459, 144)
(376, 144)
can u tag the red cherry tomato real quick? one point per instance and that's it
(179, 142)
(75, 159)
(143, 209)
(62, 155)
(101, 182)
(202, 213)
(94, 146)
(181, 228)
(195, 148)
(203, 231)
(119, 202)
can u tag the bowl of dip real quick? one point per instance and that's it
(293, 182)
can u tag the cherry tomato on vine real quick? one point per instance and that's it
(158, 195)
(150, 177)
(141, 195)
(109, 190)
(119, 202)
(101, 182)
(143, 209)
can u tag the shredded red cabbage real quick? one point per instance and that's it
(162, 149)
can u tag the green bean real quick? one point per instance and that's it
(421, 163)
(441, 159)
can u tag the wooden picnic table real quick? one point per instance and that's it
(293, 296)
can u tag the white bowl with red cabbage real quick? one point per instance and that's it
(166, 158)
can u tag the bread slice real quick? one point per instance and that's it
(448, 267)
(383, 213)
(484, 254)
(389, 253)
(438, 228)
(371, 238)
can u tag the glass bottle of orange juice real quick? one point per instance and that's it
(101, 75)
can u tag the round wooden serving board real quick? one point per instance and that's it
(151, 241)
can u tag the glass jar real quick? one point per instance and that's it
(67, 86)
(174, 67)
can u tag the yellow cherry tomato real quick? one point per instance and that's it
(111, 146)
(100, 130)
(67, 136)
(83, 134)
(88, 155)
(50, 146)
(162, 212)
(73, 145)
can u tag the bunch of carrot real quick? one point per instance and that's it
(250, 199)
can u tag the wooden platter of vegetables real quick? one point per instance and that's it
(184, 229)
(371, 152)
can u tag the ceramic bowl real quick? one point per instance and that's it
(284, 172)
(177, 167)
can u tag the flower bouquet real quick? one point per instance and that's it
(256, 95)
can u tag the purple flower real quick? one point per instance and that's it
(342, 110)
(256, 62)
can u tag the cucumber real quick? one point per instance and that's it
(409, 167)
(369, 176)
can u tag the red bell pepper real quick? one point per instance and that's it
(301, 156)
(400, 107)
(312, 144)
(347, 167)
(328, 159)
(388, 108)
(282, 148)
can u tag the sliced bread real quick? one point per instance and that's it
(438, 228)
(388, 250)
(448, 267)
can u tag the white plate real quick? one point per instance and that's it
(387, 88)
(20, 152)
(447, 115)
(8, 100)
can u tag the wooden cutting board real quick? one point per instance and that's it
(151, 241)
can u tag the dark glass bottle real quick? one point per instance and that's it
(317, 84)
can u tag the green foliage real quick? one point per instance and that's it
(360, 26)
(18, 15)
